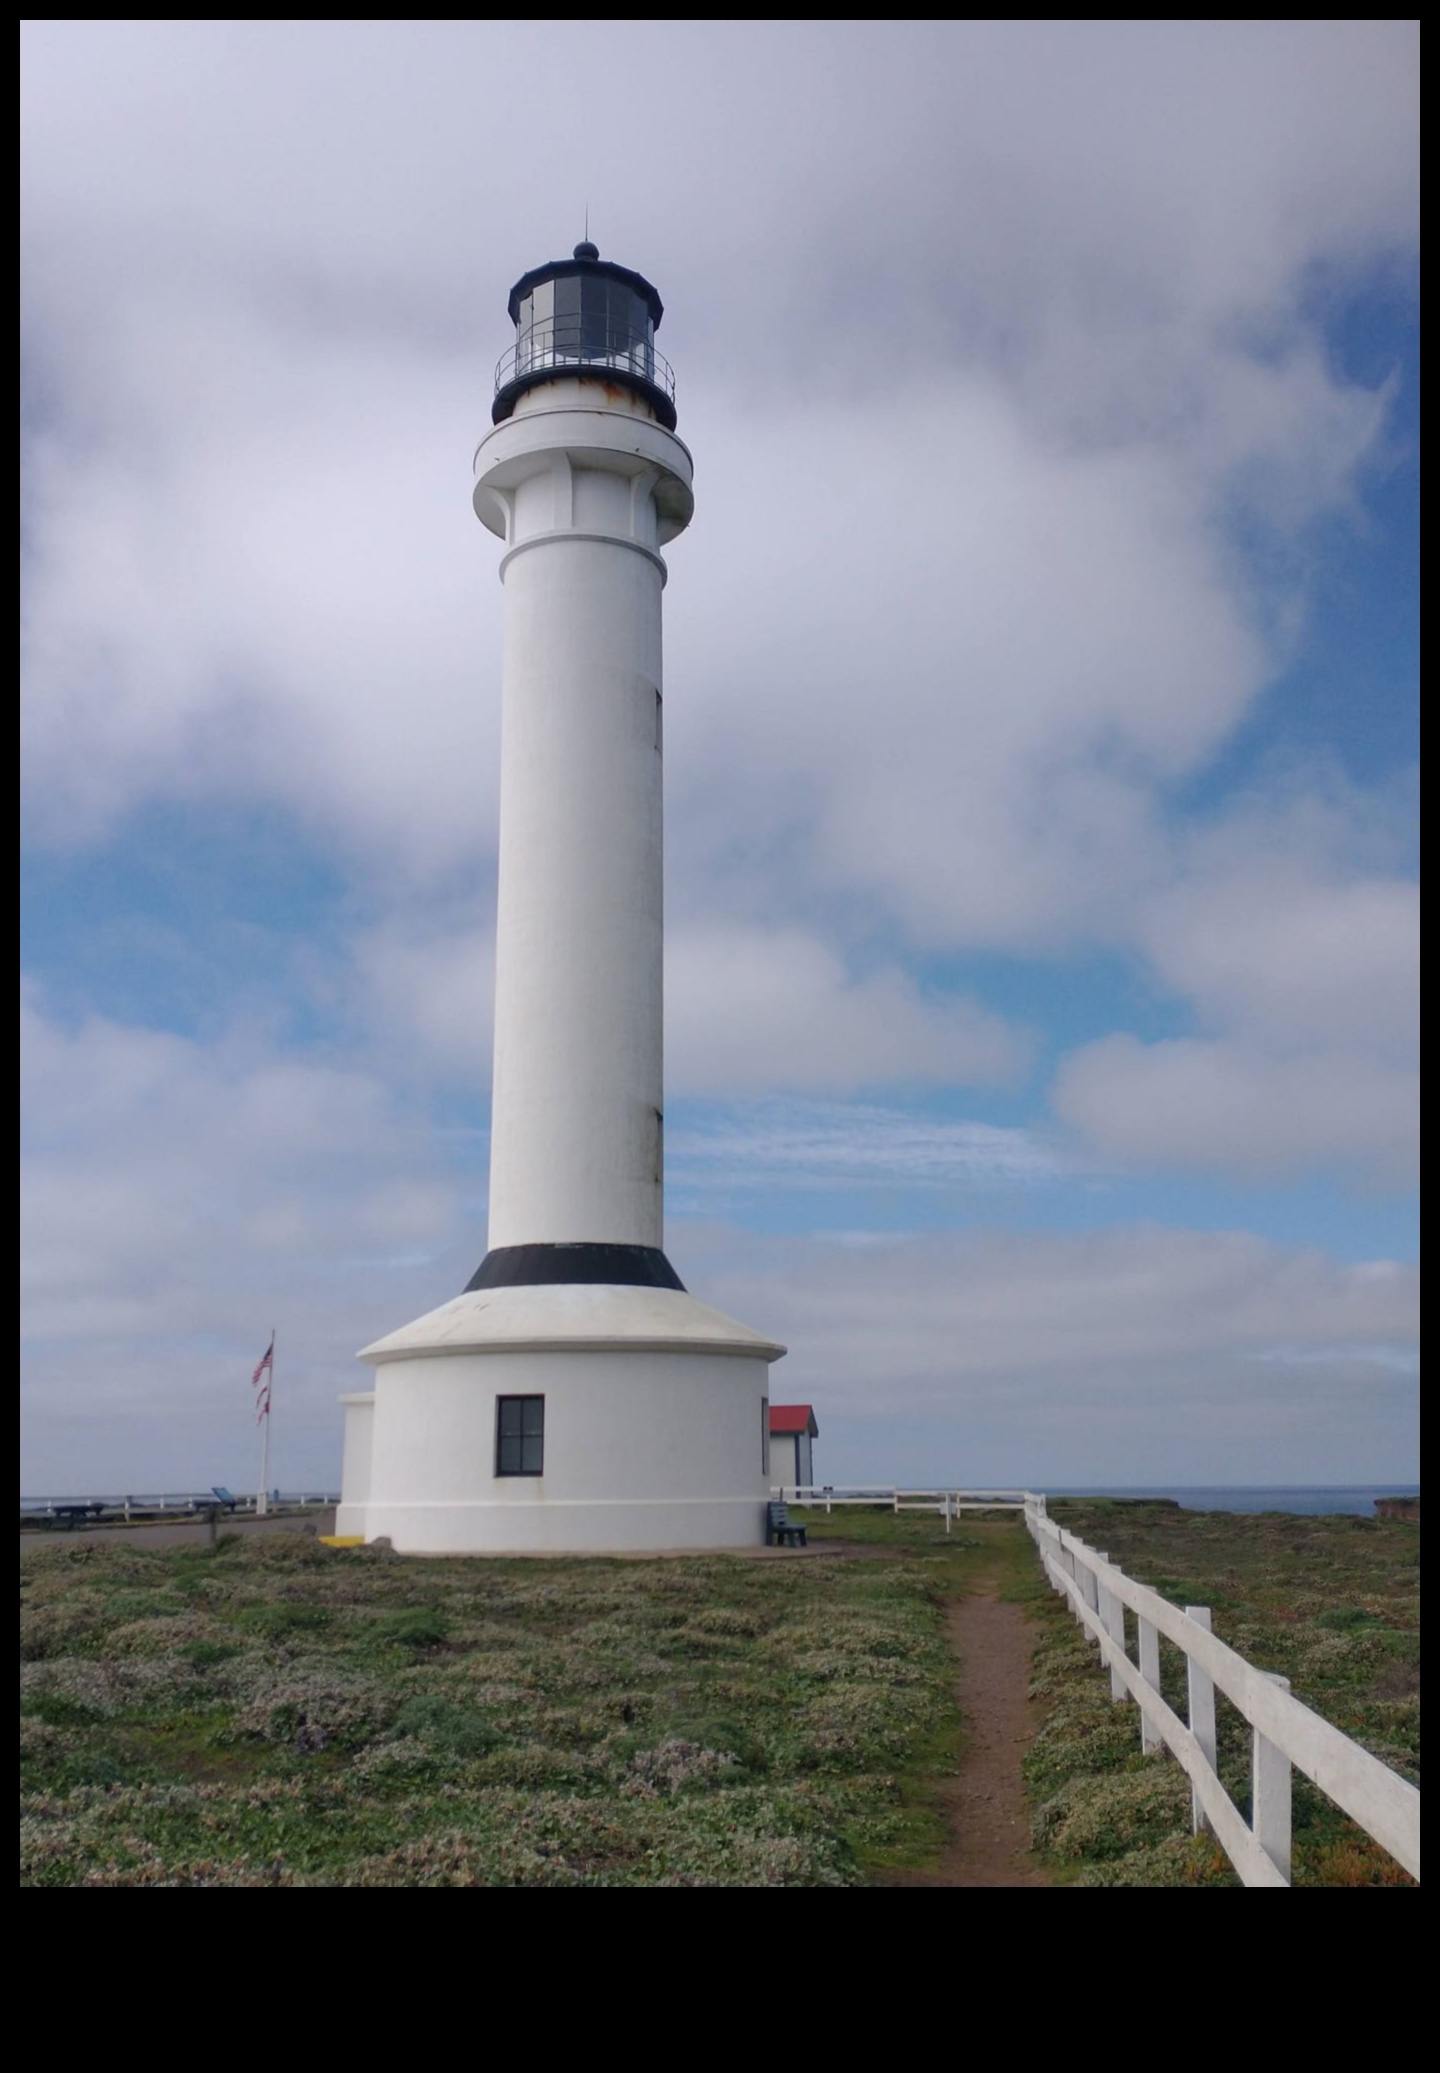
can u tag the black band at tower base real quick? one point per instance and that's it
(538, 1266)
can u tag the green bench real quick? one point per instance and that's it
(781, 1530)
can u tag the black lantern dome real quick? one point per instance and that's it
(585, 316)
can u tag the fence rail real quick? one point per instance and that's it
(949, 1503)
(41, 1511)
(1284, 1732)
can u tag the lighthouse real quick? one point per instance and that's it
(575, 1396)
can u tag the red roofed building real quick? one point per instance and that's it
(792, 1428)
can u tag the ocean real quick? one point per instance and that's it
(1357, 1498)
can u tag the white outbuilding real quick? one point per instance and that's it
(575, 1396)
(792, 1461)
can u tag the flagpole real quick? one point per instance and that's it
(262, 1502)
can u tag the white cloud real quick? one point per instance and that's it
(1124, 174)
(951, 689)
(749, 1008)
(429, 992)
(250, 574)
(816, 1144)
(1223, 1106)
(1303, 969)
(958, 598)
(1292, 947)
(1120, 1355)
(156, 1167)
(181, 1201)
(178, 1202)
(986, 335)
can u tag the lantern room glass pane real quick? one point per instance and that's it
(567, 317)
(594, 318)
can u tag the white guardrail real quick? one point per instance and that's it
(949, 1503)
(1284, 1731)
(182, 1503)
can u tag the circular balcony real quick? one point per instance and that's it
(559, 347)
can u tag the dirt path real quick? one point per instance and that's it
(988, 1817)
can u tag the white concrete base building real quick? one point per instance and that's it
(575, 1396)
(648, 1412)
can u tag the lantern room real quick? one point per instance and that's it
(586, 317)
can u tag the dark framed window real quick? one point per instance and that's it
(765, 1435)
(519, 1435)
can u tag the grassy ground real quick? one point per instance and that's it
(1331, 1603)
(271, 1711)
(276, 1712)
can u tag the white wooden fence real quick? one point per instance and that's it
(38, 1510)
(1284, 1732)
(949, 1503)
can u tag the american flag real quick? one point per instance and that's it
(265, 1366)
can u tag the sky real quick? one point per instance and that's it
(1041, 705)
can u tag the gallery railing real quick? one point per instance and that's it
(564, 343)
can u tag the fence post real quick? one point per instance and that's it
(1112, 1614)
(1200, 1710)
(1089, 1590)
(1085, 1577)
(1150, 1736)
(1270, 1803)
(895, 1494)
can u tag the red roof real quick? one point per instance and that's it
(793, 1418)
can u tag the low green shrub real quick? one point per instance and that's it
(417, 1627)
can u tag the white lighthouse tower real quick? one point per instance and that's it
(575, 1396)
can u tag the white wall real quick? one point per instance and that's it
(792, 1459)
(356, 1461)
(583, 496)
(575, 1147)
(642, 1450)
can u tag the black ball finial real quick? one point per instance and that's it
(585, 250)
